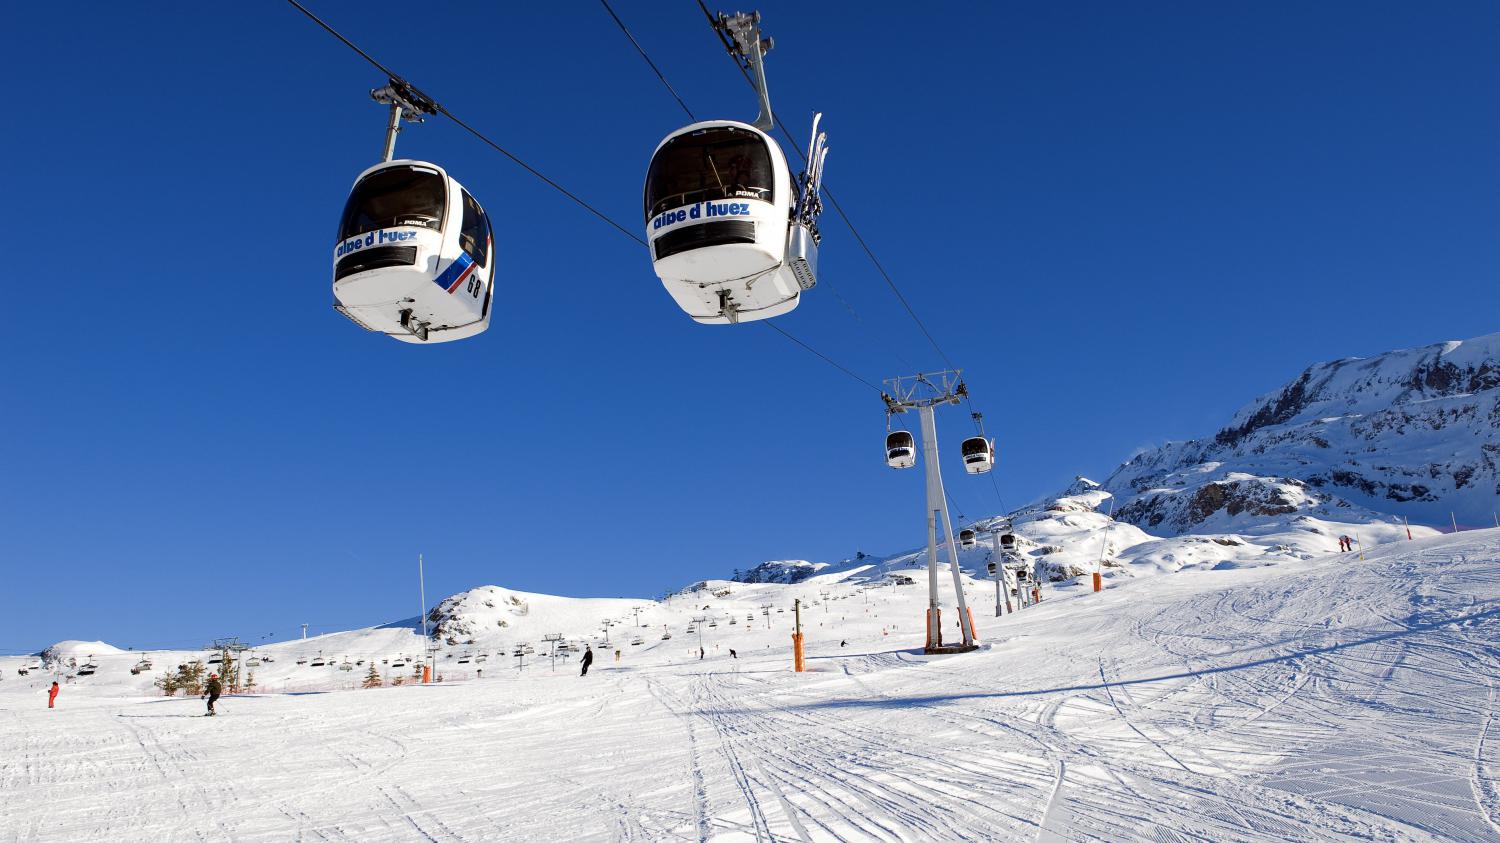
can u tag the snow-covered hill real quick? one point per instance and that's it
(1317, 699)
(1410, 433)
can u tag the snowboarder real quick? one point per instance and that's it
(588, 659)
(700, 654)
(733, 654)
(212, 691)
(52, 695)
(844, 643)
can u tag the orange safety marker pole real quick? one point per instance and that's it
(1098, 581)
(426, 674)
(973, 633)
(799, 661)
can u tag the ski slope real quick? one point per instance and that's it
(1320, 699)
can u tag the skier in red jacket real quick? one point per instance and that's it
(52, 696)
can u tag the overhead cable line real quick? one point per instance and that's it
(870, 253)
(642, 51)
(826, 359)
(673, 91)
(832, 200)
(691, 116)
(466, 127)
(535, 172)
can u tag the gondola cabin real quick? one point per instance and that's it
(900, 449)
(966, 538)
(719, 205)
(415, 255)
(979, 454)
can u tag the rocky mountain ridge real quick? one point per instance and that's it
(1413, 433)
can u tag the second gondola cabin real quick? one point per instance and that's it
(978, 454)
(719, 204)
(966, 538)
(415, 255)
(900, 449)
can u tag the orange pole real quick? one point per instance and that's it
(973, 633)
(799, 662)
(426, 674)
(1098, 581)
(934, 627)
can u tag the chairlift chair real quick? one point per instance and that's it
(978, 454)
(346, 666)
(900, 449)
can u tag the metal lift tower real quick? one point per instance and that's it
(922, 393)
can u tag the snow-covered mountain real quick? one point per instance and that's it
(1413, 433)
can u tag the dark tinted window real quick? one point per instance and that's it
(973, 447)
(398, 196)
(720, 163)
(474, 234)
(898, 440)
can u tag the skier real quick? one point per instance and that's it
(214, 689)
(733, 654)
(588, 659)
(52, 695)
(844, 643)
(700, 654)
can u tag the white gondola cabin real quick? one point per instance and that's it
(966, 538)
(718, 209)
(415, 255)
(979, 454)
(900, 449)
(733, 236)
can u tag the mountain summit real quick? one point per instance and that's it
(1414, 432)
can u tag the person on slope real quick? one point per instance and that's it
(588, 659)
(213, 690)
(52, 695)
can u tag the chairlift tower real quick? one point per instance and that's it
(553, 638)
(923, 393)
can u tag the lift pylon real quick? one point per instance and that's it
(923, 393)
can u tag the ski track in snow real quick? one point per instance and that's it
(1323, 700)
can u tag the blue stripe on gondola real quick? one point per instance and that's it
(455, 272)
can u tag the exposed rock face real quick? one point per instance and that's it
(1180, 510)
(459, 618)
(788, 572)
(1413, 432)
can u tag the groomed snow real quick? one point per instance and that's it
(1315, 699)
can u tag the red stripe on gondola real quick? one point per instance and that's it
(461, 276)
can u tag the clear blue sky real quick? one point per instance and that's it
(1123, 220)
